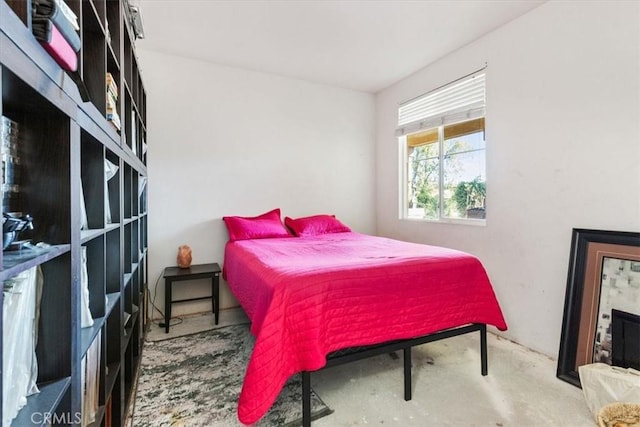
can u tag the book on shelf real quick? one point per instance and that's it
(63, 25)
(72, 17)
(111, 102)
(112, 87)
(55, 44)
(10, 138)
(113, 118)
(112, 92)
(49, 8)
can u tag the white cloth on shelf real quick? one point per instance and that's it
(20, 334)
(86, 318)
(84, 222)
(110, 170)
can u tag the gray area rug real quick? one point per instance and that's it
(195, 380)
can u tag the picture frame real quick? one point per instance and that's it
(596, 256)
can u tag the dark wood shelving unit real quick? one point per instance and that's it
(64, 143)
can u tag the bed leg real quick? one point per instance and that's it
(483, 349)
(407, 373)
(306, 399)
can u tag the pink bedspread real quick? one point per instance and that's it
(309, 296)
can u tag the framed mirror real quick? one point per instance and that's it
(603, 284)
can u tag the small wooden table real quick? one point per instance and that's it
(196, 271)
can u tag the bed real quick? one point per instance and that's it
(308, 297)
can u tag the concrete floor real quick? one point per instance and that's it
(521, 389)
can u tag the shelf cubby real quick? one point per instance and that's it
(127, 248)
(142, 193)
(129, 130)
(114, 12)
(55, 326)
(113, 266)
(99, 9)
(93, 56)
(127, 55)
(114, 333)
(135, 242)
(43, 149)
(113, 188)
(96, 270)
(126, 192)
(93, 180)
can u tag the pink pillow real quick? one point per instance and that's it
(316, 224)
(265, 226)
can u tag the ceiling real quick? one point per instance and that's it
(363, 45)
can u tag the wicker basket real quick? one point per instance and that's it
(619, 415)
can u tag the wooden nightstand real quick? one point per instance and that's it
(196, 271)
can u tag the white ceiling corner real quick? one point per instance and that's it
(363, 45)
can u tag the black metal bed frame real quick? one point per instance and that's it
(352, 354)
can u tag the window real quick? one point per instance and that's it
(442, 145)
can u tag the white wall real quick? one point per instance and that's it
(225, 141)
(563, 151)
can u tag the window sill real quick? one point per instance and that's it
(456, 221)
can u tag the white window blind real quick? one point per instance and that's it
(460, 100)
